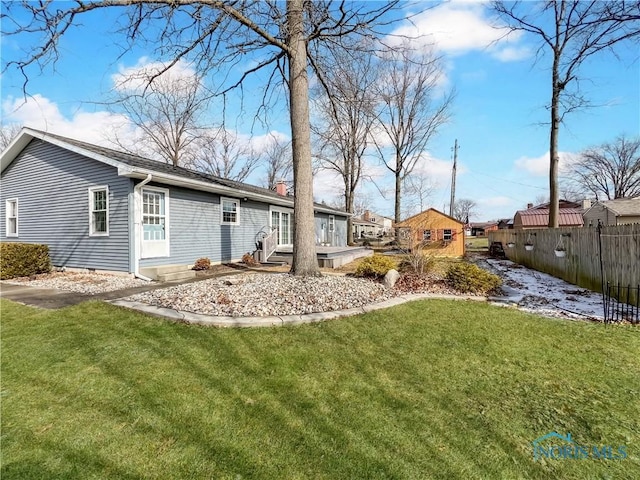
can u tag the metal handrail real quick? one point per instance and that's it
(270, 244)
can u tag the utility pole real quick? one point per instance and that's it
(453, 178)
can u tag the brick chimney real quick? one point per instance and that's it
(281, 188)
(529, 205)
(366, 215)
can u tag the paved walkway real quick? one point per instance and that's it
(53, 299)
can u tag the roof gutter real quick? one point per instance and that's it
(137, 228)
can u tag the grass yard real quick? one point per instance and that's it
(477, 243)
(427, 390)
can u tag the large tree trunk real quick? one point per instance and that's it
(348, 206)
(554, 158)
(304, 245)
(397, 213)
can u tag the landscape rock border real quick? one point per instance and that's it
(282, 320)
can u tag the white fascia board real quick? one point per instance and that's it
(203, 186)
(27, 134)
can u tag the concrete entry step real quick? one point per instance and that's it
(176, 276)
(168, 273)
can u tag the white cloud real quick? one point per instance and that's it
(460, 27)
(539, 166)
(42, 114)
(137, 76)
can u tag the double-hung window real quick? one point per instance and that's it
(332, 223)
(12, 217)
(447, 235)
(426, 236)
(230, 209)
(99, 211)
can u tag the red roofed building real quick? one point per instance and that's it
(570, 215)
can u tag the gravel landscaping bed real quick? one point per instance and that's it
(91, 283)
(256, 294)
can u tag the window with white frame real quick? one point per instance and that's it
(98, 211)
(230, 208)
(332, 223)
(426, 235)
(447, 235)
(12, 217)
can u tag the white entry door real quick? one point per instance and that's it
(155, 223)
(283, 221)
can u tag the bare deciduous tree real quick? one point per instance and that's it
(166, 108)
(418, 188)
(223, 154)
(609, 171)
(344, 105)
(216, 34)
(277, 160)
(410, 112)
(573, 31)
(464, 209)
(8, 133)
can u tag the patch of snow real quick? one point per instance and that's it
(544, 294)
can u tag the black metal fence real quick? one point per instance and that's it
(619, 305)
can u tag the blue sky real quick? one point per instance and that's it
(500, 105)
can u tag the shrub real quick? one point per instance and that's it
(248, 260)
(23, 260)
(202, 264)
(469, 278)
(376, 266)
(417, 262)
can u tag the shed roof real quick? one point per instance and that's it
(539, 217)
(406, 222)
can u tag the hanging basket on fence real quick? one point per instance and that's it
(560, 250)
(528, 245)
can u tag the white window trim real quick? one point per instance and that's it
(332, 223)
(443, 235)
(91, 191)
(167, 229)
(6, 207)
(282, 210)
(237, 202)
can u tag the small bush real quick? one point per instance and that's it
(417, 262)
(23, 260)
(248, 260)
(376, 266)
(469, 278)
(202, 264)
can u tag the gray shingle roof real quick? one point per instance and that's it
(160, 167)
(623, 206)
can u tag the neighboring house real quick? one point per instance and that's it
(102, 209)
(482, 229)
(505, 223)
(364, 229)
(371, 225)
(613, 212)
(570, 215)
(385, 222)
(442, 234)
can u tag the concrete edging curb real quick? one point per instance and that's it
(278, 321)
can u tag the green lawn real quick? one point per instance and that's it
(431, 389)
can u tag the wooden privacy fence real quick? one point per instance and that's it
(581, 265)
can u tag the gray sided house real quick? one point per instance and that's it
(102, 209)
